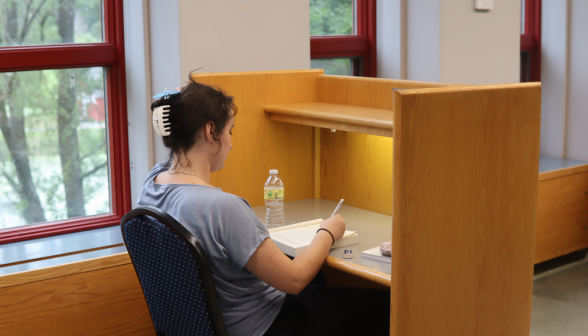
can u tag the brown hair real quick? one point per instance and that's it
(192, 109)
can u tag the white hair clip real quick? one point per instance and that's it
(161, 120)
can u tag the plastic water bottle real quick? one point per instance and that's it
(273, 193)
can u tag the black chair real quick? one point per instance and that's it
(174, 273)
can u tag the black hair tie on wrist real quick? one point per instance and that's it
(329, 233)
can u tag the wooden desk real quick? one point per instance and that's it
(562, 208)
(373, 229)
(462, 192)
(549, 164)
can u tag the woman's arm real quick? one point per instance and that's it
(272, 266)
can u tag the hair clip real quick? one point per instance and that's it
(165, 93)
(160, 120)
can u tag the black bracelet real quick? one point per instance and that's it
(329, 233)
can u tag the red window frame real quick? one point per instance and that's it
(531, 40)
(109, 54)
(362, 45)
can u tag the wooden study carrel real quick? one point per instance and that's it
(454, 166)
(462, 192)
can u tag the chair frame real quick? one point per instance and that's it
(201, 259)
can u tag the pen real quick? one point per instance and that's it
(337, 208)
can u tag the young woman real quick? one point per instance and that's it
(261, 291)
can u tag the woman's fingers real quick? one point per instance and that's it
(336, 225)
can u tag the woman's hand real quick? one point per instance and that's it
(336, 225)
(291, 276)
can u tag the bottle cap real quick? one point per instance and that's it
(273, 171)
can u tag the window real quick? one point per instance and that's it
(63, 144)
(530, 40)
(343, 36)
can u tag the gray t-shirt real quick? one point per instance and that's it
(229, 232)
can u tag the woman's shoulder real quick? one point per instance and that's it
(224, 199)
(156, 170)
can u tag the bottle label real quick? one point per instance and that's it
(273, 194)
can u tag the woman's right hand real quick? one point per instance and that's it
(291, 276)
(336, 225)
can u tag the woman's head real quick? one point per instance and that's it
(198, 114)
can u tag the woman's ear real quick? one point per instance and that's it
(208, 131)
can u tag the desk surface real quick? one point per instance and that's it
(373, 228)
(549, 164)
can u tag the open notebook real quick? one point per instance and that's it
(294, 239)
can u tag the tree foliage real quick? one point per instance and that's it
(53, 152)
(331, 17)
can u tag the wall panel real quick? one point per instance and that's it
(562, 216)
(107, 301)
(354, 166)
(247, 167)
(465, 208)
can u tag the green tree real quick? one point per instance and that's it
(67, 121)
(331, 17)
(40, 111)
(12, 119)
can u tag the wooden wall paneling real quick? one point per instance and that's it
(562, 216)
(364, 91)
(335, 116)
(361, 273)
(357, 167)
(343, 278)
(106, 301)
(464, 209)
(260, 144)
(64, 270)
(316, 137)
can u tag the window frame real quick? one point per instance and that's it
(110, 55)
(363, 44)
(531, 39)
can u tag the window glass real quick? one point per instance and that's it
(332, 17)
(35, 22)
(333, 66)
(525, 66)
(53, 147)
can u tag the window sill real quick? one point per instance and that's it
(56, 250)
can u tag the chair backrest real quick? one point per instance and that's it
(174, 273)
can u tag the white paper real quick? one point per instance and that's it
(300, 236)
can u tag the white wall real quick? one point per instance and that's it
(577, 104)
(553, 76)
(223, 36)
(152, 62)
(448, 41)
(244, 35)
(564, 75)
(166, 39)
(389, 39)
(138, 74)
(422, 35)
(480, 47)
(164, 32)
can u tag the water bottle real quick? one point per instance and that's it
(273, 193)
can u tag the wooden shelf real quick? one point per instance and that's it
(341, 117)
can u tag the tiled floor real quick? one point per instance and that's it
(560, 299)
